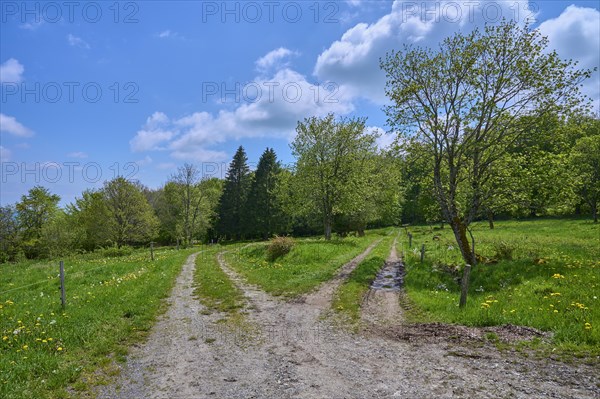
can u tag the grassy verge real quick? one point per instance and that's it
(111, 303)
(543, 274)
(348, 298)
(213, 287)
(308, 264)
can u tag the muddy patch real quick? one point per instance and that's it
(451, 333)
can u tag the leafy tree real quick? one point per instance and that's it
(91, 214)
(35, 210)
(331, 166)
(9, 234)
(232, 203)
(191, 202)
(131, 219)
(585, 163)
(263, 210)
(465, 103)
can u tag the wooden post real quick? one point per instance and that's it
(409, 240)
(422, 252)
(178, 244)
(464, 286)
(63, 299)
(152, 250)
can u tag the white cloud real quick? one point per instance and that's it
(575, 34)
(10, 125)
(153, 134)
(77, 42)
(77, 154)
(285, 97)
(5, 154)
(274, 59)
(353, 60)
(32, 26)
(11, 71)
(384, 141)
(143, 162)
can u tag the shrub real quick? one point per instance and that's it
(503, 250)
(279, 246)
(115, 252)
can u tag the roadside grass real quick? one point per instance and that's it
(543, 274)
(48, 352)
(348, 298)
(308, 264)
(214, 288)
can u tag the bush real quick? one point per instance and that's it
(114, 252)
(503, 251)
(279, 246)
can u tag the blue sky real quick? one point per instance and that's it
(91, 90)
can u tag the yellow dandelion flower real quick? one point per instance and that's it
(587, 326)
(59, 348)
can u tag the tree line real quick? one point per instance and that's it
(492, 124)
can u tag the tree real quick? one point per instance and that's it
(131, 219)
(466, 104)
(35, 209)
(9, 233)
(263, 209)
(192, 200)
(91, 213)
(585, 162)
(233, 200)
(331, 160)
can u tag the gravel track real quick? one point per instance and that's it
(291, 350)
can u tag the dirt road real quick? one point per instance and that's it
(290, 350)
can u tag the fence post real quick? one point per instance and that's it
(178, 244)
(152, 250)
(409, 240)
(464, 286)
(63, 298)
(422, 252)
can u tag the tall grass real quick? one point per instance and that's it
(50, 352)
(542, 273)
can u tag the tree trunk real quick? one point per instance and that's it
(490, 216)
(460, 233)
(327, 228)
(361, 232)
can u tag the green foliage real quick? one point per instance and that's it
(231, 223)
(332, 170)
(278, 247)
(264, 210)
(465, 104)
(584, 161)
(187, 204)
(116, 252)
(34, 210)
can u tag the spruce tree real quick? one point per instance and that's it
(263, 210)
(233, 200)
